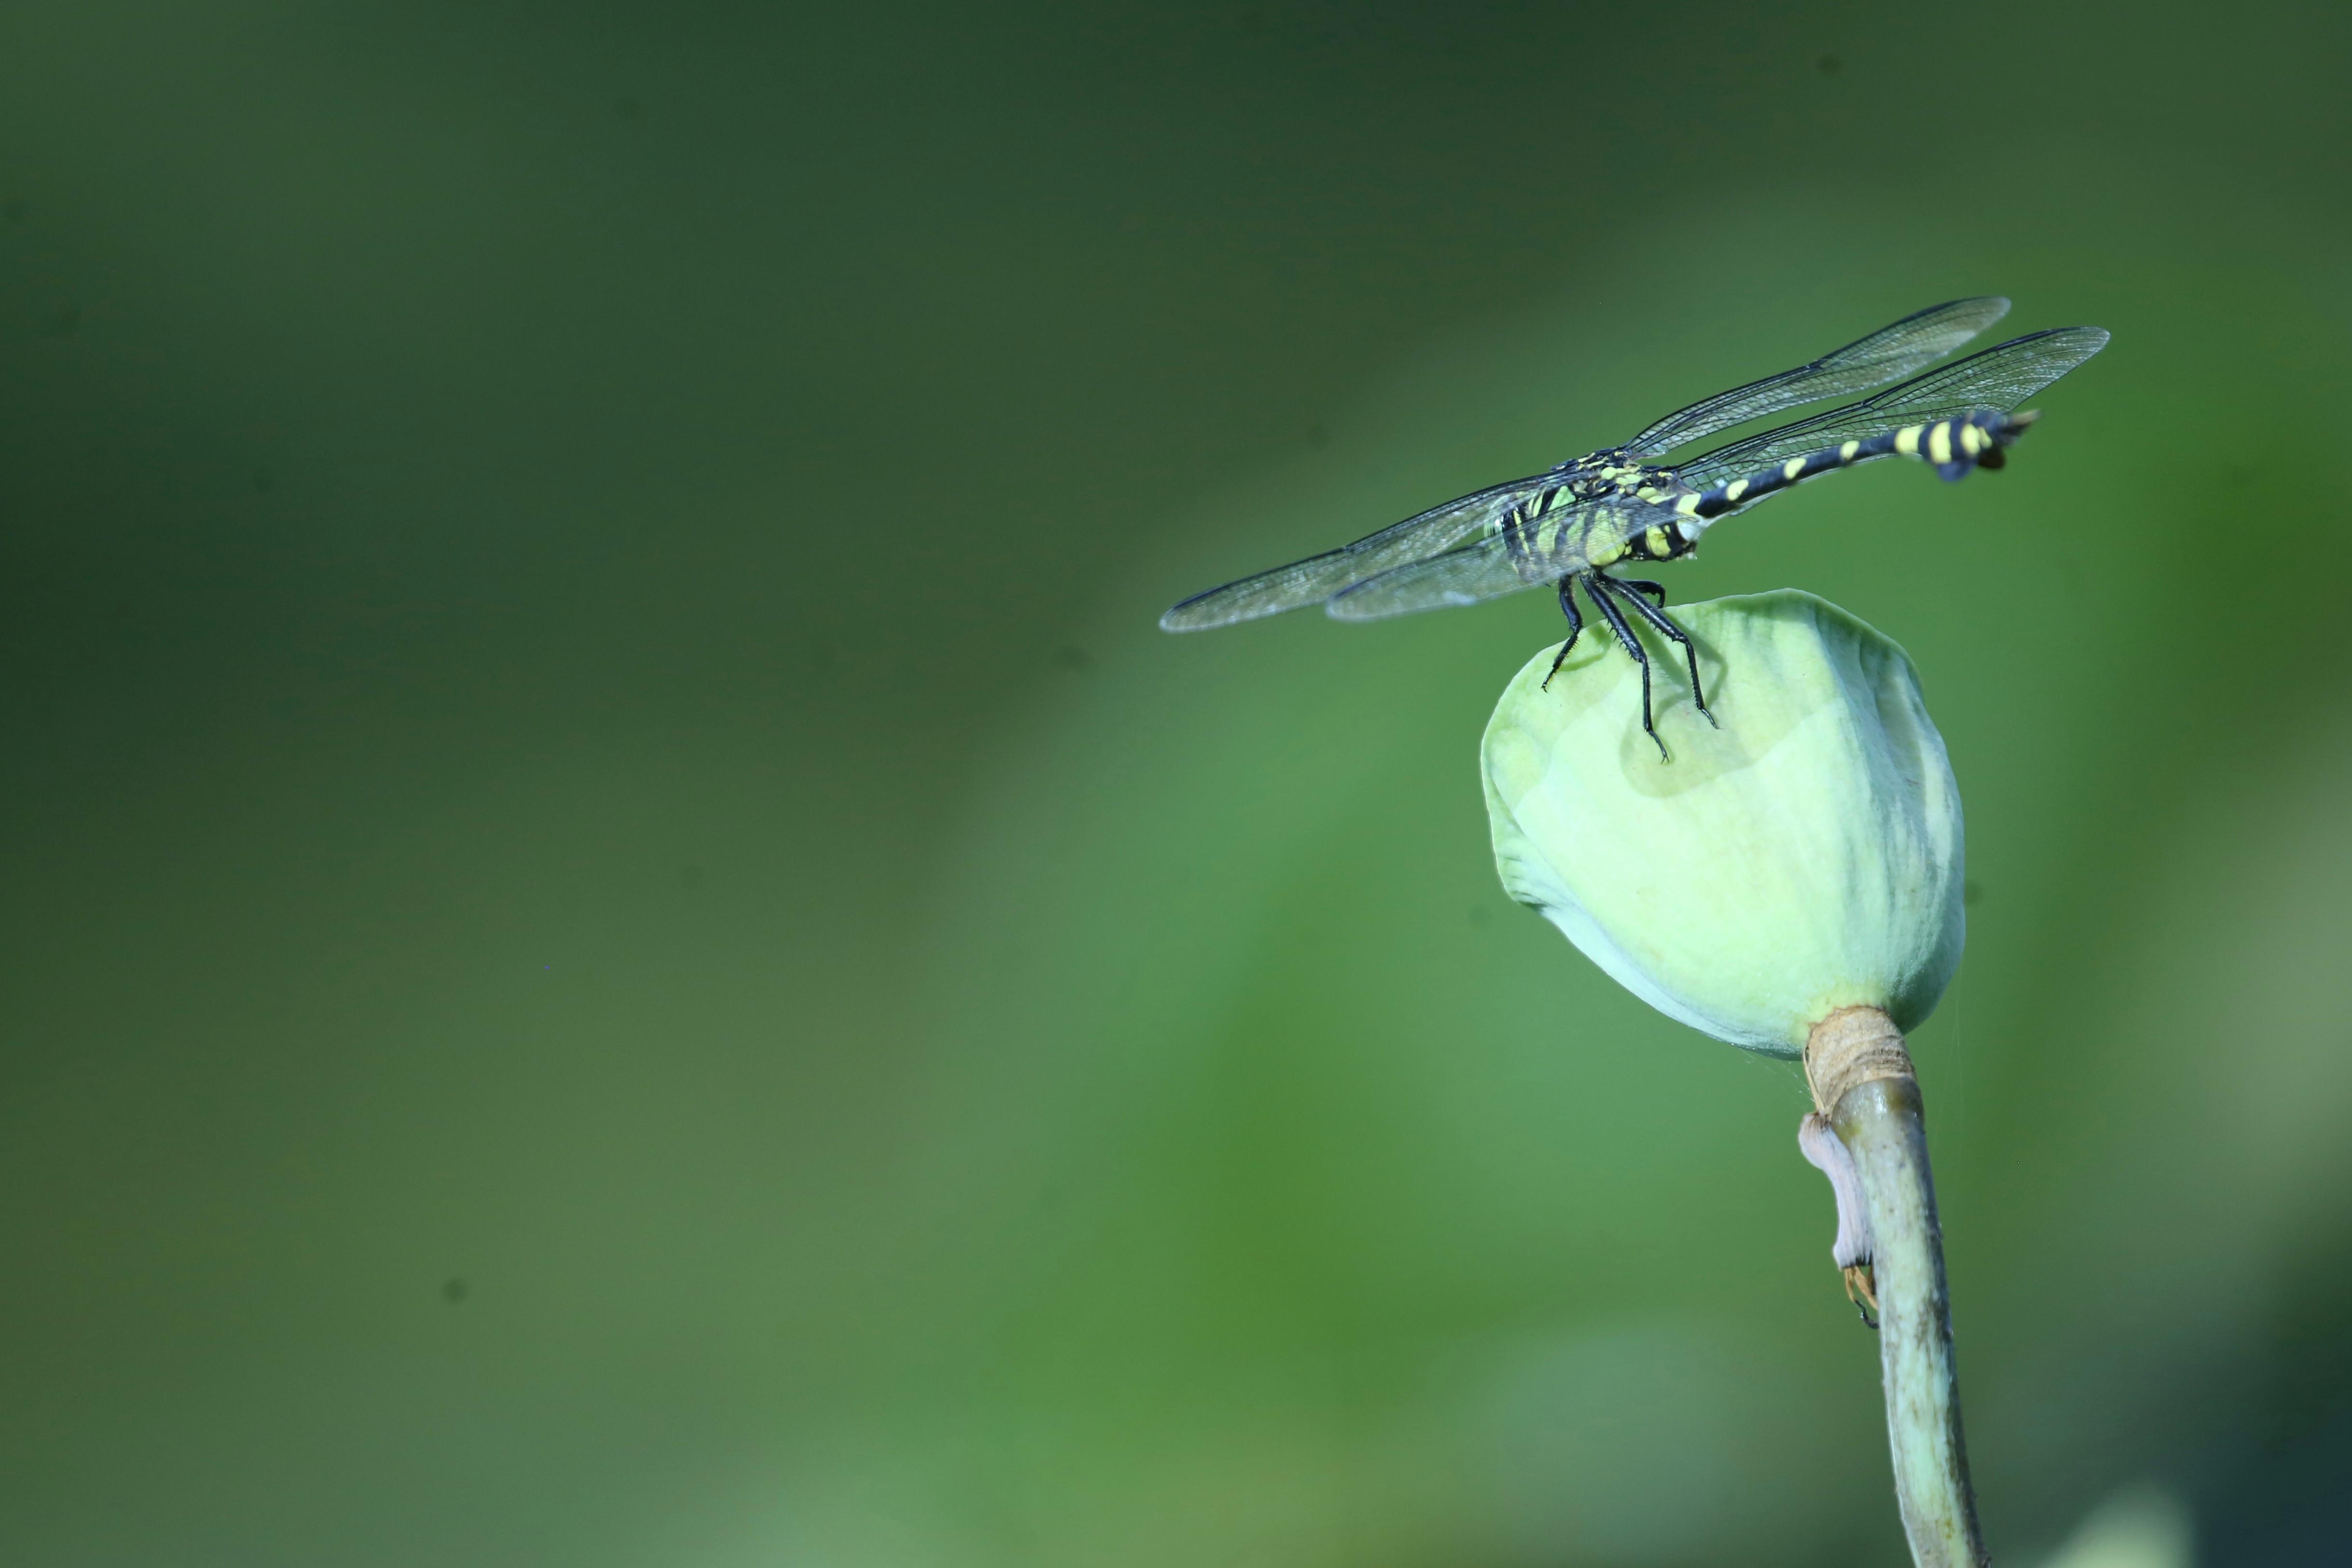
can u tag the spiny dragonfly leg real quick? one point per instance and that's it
(1575, 630)
(1654, 590)
(1670, 632)
(1596, 587)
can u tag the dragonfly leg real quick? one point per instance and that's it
(1575, 630)
(1654, 590)
(1596, 589)
(1670, 632)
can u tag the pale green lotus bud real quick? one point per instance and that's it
(1802, 859)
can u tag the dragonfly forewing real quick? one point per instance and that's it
(1887, 354)
(2001, 377)
(1317, 578)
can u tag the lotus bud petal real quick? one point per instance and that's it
(1804, 858)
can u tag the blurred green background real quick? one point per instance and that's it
(624, 946)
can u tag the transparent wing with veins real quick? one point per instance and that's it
(1887, 354)
(2002, 377)
(1317, 578)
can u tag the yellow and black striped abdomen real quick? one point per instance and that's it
(1952, 446)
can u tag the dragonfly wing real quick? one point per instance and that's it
(1888, 354)
(2000, 378)
(1540, 551)
(1486, 570)
(1317, 578)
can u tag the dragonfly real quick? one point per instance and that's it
(1570, 526)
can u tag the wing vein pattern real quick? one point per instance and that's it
(1317, 578)
(1887, 354)
(2000, 378)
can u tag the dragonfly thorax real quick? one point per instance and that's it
(1609, 473)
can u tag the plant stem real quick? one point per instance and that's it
(1858, 1057)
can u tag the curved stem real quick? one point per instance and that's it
(1864, 1087)
(1880, 1122)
